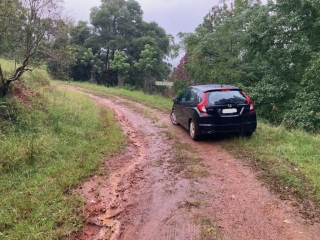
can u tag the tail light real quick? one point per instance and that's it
(249, 102)
(202, 105)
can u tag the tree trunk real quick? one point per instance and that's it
(5, 83)
(148, 84)
(4, 87)
(120, 80)
(93, 77)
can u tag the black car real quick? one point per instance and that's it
(211, 109)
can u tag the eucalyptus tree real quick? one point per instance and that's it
(36, 16)
(115, 25)
(120, 35)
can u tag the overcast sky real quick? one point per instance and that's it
(172, 15)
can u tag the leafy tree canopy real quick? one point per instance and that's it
(270, 50)
(24, 25)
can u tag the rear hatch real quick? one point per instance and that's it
(227, 106)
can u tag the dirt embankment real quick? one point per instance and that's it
(164, 186)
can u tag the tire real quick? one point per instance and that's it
(173, 118)
(248, 134)
(193, 131)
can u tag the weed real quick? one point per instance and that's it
(169, 134)
(163, 125)
(209, 228)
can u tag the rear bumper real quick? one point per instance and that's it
(208, 125)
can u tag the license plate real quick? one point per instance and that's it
(229, 110)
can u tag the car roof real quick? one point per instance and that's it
(213, 87)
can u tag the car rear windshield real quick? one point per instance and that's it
(225, 97)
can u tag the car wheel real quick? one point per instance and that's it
(248, 134)
(174, 118)
(193, 131)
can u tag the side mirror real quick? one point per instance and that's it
(175, 100)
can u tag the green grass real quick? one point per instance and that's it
(49, 145)
(209, 228)
(155, 101)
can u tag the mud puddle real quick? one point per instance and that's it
(142, 195)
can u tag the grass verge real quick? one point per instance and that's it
(50, 141)
(154, 101)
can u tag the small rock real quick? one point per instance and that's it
(113, 206)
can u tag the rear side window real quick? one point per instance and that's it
(193, 96)
(183, 96)
(225, 97)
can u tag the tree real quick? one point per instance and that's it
(306, 111)
(217, 48)
(58, 51)
(270, 50)
(119, 63)
(80, 33)
(119, 28)
(180, 75)
(280, 44)
(150, 67)
(93, 61)
(115, 24)
(10, 21)
(38, 16)
(81, 38)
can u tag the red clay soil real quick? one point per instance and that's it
(143, 197)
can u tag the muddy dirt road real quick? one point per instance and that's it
(164, 186)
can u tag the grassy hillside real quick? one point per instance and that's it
(51, 139)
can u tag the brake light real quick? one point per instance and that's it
(249, 102)
(202, 105)
(224, 89)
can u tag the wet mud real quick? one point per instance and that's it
(142, 196)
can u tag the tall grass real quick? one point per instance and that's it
(49, 144)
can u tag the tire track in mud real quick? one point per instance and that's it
(145, 198)
(142, 197)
